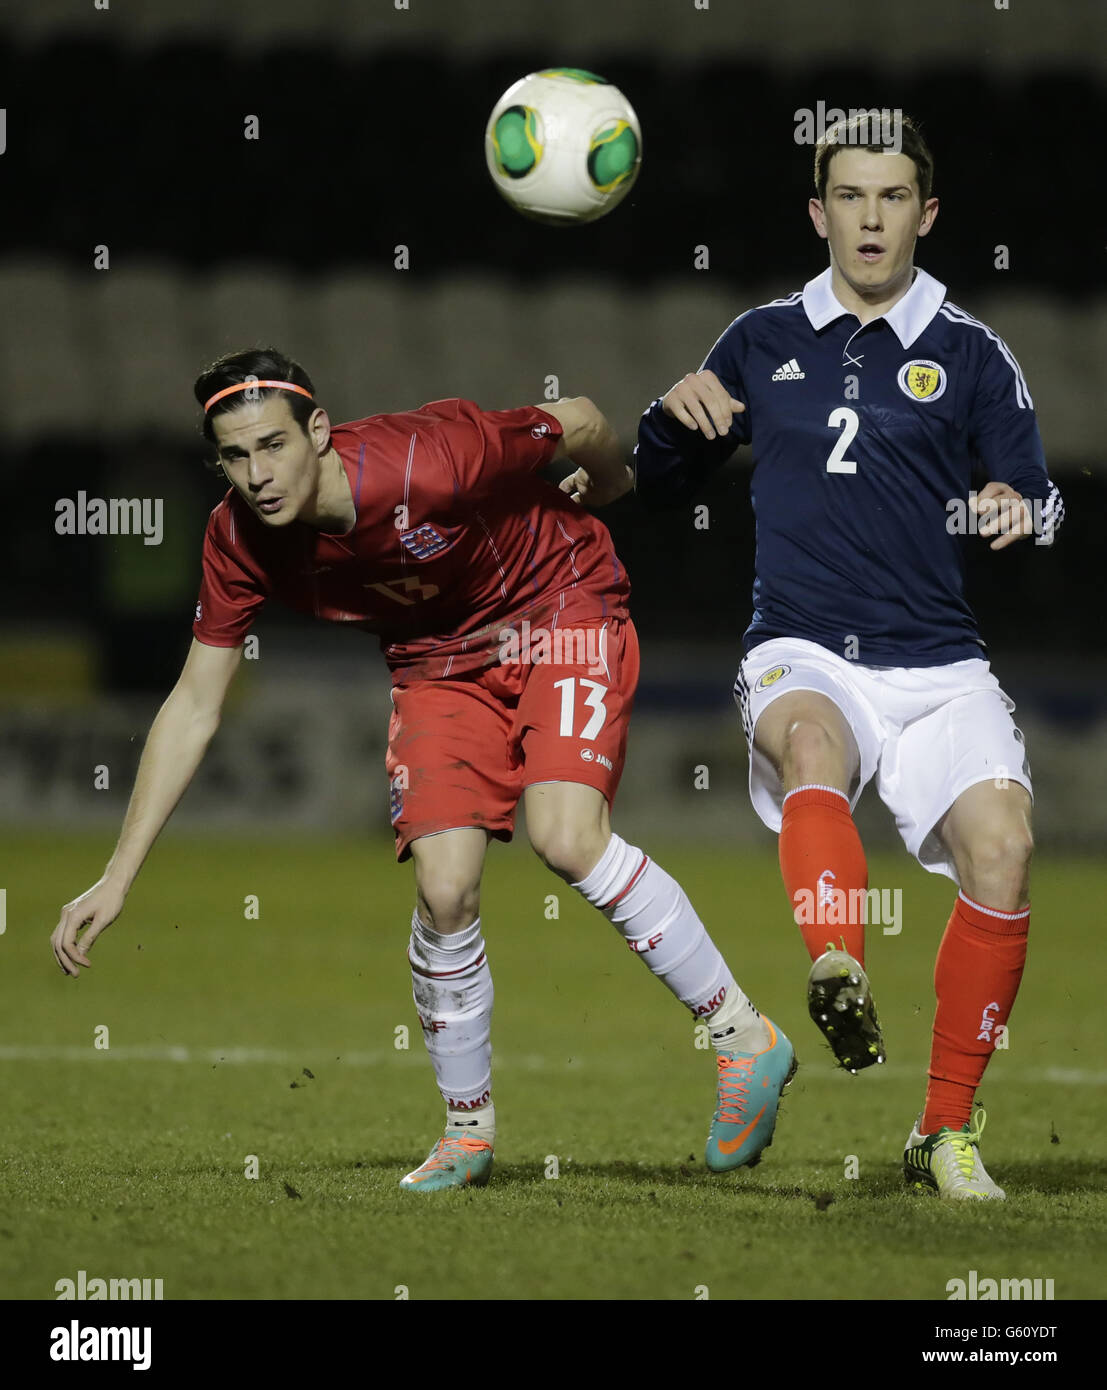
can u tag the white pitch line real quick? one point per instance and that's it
(244, 1056)
(817, 1070)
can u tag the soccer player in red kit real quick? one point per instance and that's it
(501, 609)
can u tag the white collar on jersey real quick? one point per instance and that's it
(907, 317)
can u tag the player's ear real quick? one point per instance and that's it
(319, 429)
(818, 216)
(929, 213)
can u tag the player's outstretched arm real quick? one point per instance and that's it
(588, 440)
(175, 747)
(692, 430)
(700, 401)
(1002, 513)
(1007, 515)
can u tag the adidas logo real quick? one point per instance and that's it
(789, 371)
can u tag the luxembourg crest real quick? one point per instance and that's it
(396, 797)
(922, 381)
(423, 542)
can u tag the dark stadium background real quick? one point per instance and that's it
(126, 130)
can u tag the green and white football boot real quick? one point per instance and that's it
(949, 1162)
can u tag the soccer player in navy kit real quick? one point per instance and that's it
(871, 402)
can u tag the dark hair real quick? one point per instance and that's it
(261, 364)
(855, 133)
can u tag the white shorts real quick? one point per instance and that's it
(927, 732)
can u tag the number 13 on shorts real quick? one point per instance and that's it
(593, 700)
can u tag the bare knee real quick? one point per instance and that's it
(448, 869)
(812, 753)
(807, 739)
(995, 866)
(448, 903)
(571, 849)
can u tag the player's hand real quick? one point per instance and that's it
(701, 402)
(93, 911)
(1004, 513)
(582, 487)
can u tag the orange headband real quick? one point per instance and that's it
(245, 385)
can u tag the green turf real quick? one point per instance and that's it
(128, 1163)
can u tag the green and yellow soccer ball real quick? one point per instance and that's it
(563, 146)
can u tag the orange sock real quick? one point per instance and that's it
(822, 860)
(976, 978)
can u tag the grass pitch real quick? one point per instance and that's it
(277, 1037)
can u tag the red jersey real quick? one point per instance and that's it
(456, 539)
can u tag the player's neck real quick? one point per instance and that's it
(868, 306)
(333, 510)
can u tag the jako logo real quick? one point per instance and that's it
(588, 755)
(712, 1004)
(470, 1104)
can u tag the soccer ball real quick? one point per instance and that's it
(563, 146)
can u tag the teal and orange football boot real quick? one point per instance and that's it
(749, 1090)
(457, 1160)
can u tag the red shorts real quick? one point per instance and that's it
(461, 752)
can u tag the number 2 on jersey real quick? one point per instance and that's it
(848, 422)
(593, 701)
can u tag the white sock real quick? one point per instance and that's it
(736, 1026)
(481, 1122)
(652, 912)
(452, 988)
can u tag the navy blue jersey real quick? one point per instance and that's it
(867, 441)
